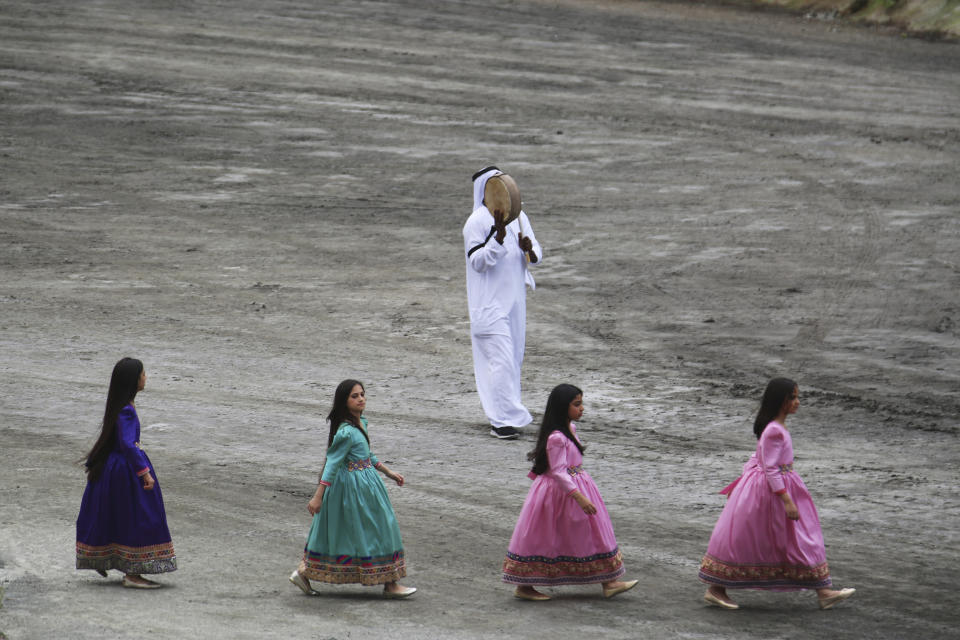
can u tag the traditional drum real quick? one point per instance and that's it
(501, 192)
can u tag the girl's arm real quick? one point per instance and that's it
(337, 454)
(557, 471)
(588, 507)
(792, 512)
(128, 425)
(317, 501)
(771, 445)
(385, 470)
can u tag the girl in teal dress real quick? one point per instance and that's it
(354, 537)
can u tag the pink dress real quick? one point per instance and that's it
(554, 541)
(754, 545)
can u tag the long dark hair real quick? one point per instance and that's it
(556, 417)
(340, 414)
(778, 392)
(123, 389)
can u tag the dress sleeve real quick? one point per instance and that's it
(771, 448)
(482, 249)
(337, 454)
(557, 461)
(128, 430)
(373, 459)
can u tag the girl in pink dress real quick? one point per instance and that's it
(768, 536)
(564, 534)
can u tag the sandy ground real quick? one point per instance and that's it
(260, 199)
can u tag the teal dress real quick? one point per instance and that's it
(354, 537)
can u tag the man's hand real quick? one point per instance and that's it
(498, 222)
(526, 245)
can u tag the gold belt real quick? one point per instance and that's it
(359, 465)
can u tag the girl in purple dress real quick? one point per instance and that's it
(564, 534)
(122, 524)
(768, 536)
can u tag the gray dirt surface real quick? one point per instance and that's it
(260, 199)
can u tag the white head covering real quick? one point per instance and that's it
(480, 184)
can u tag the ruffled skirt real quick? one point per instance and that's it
(354, 538)
(755, 546)
(122, 526)
(556, 543)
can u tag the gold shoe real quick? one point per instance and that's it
(725, 604)
(843, 594)
(626, 586)
(405, 592)
(136, 584)
(536, 596)
(302, 583)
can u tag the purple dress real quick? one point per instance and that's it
(121, 525)
(754, 545)
(555, 542)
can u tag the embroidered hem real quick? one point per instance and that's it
(158, 558)
(760, 576)
(570, 570)
(353, 570)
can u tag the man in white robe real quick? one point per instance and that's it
(498, 258)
